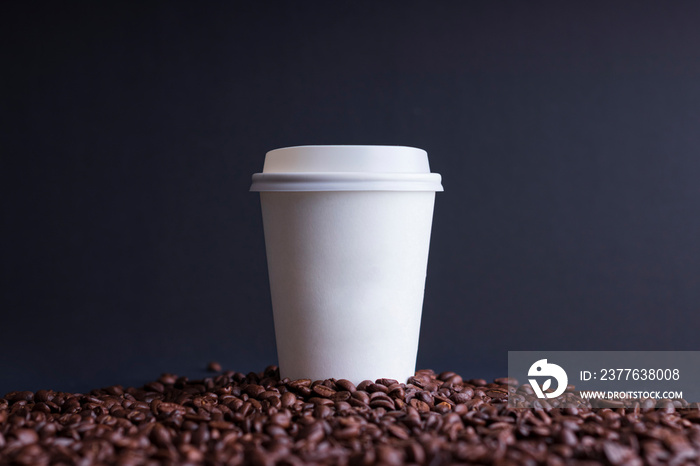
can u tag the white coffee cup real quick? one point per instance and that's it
(347, 231)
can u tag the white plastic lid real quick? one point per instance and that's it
(346, 168)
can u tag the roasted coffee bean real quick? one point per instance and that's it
(398, 431)
(420, 405)
(375, 387)
(299, 383)
(14, 397)
(346, 385)
(43, 396)
(160, 436)
(324, 391)
(390, 455)
(254, 390)
(322, 411)
(497, 394)
(462, 397)
(341, 406)
(667, 406)
(387, 404)
(387, 382)
(315, 400)
(361, 396)
(415, 453)
(426, 397)
(347, 433)
(282, 419)
(364, 384)
(341, 396)
(312, 433)
(443, 407)
(214, 366)
(288, 399)
(26, 436)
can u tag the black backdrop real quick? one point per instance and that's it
(567, 134)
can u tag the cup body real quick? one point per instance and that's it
(347, 273)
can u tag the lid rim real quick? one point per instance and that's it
(345, 181)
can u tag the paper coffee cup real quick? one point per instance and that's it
(347, 231)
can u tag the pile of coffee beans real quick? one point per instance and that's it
(258, 419)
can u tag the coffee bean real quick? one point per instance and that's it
(609, 404)
(430, 387)
(14, 397)
(214, 366)
(347, 433)
(255, 404)
(443, 407)
(364, 384)
(568, 437)
(617, 454)
(116, 390)
(387, 382)
(312, 433)
(167, 379)
(191, 453)
(346, 385)
(397, 393)
(497, 394)
(415, 453)
(398, 431)
(324, 391)
(43, 396)
(375, 387)
(288, 399)
(320, 401)
(389, 455)
(426, 397)
(667, 406)
(361, 396)
(379, 395)
(382, 403)
(462, 397)
(341, 396)
(506, 381)
(341, 406)
(302, 387)
(160, 436)
(416, 381)
(322, 411)
(299, 383)
(420, 405)
(254, 390)
(354, 402)
(26, 436)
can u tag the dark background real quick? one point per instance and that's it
(567, 134)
